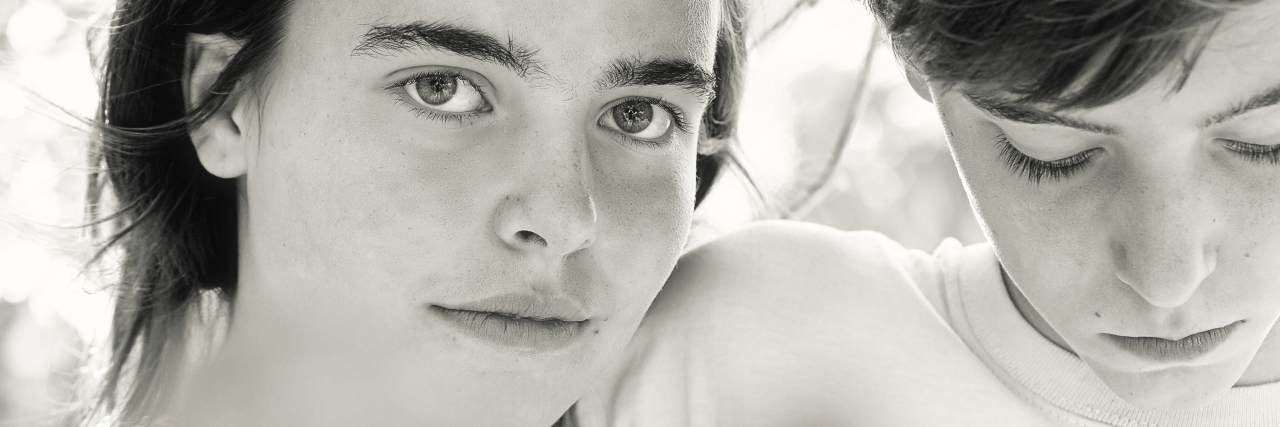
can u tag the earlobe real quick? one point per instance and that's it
(219, 144)
(918, 82)
(219, 140)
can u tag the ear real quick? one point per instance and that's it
(918, 82)
(219, 141)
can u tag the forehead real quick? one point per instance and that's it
(1238, 62)
(567, 36)
(1246, 45)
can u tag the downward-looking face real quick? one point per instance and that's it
(1144, 235)
(472, 203)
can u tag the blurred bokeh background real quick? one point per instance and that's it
(808, 59)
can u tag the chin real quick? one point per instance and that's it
(1172, 389)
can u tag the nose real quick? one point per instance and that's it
(1164, 275)
(551, 211)
(1162, 242)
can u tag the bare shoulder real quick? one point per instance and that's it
(791, 263)
(773, 314)
(785, 323)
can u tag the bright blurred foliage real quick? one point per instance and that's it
(47, 307)
(895, 175)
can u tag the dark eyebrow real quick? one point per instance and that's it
(1018, 113)
(383, 40)
(1262, 100)
(661, 71)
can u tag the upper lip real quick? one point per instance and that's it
(533, 306)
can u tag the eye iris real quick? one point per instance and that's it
(437, 90)
(633, 116)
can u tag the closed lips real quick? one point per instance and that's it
(1187, 348)
(512, 331)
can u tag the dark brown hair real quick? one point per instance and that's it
(176, 224)
(1058, 53)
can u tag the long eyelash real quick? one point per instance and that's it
(681, 123)
(677, 116)
(397, 89)
(1254, 152)
(1038, 170)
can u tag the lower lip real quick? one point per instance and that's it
(1163, 350)
(513, 332)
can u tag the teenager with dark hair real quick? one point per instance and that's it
(396, 212)
(1122, 157)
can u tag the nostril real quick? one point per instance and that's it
(530, 237)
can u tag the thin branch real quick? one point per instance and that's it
(786, 18)
(815, 192)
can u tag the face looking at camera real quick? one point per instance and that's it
(460, 210)
(1144, 235)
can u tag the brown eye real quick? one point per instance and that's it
(437, 89)
(633, 116)
(445, 92)
(638, 118)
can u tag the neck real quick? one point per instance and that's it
(263, 376)
(1030, 314)
(1265, 367)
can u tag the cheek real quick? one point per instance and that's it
(1247, 253)
(354, 211)
(1013, 211)
(645, 213)
(1044, 238)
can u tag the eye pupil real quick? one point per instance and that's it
(633, 116)
(437, 90)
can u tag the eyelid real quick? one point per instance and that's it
(477, 81)
(1037, 170)
(677, 114)
(1249, 146)
(1254, 152)
(678, 122)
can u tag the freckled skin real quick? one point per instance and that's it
(1167, 232)
(358, 213)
